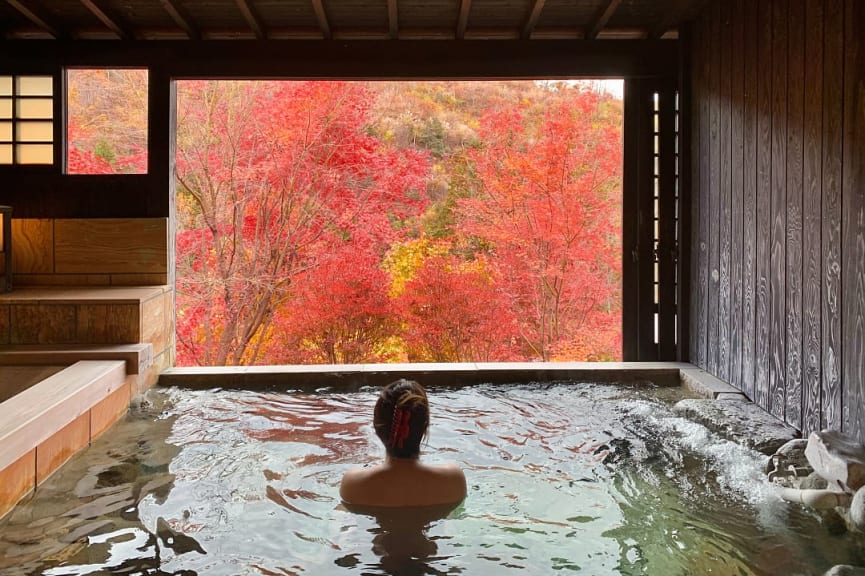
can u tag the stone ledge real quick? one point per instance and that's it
(431, 374)
(742, 422)
(704, 384)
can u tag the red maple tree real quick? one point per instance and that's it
(339, 312)
(548, 214)
(454, 311)
(273, 177)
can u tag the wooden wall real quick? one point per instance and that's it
(778, 206)
(91, 252)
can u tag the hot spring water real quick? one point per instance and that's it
(563, 478)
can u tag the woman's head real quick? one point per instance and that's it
(401, 418)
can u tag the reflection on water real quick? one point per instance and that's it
(589, 478)
(401, 541)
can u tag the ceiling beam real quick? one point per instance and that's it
(361, 59)
(392, 19)
(39, 16)
(463, 22)
(112, 24)
(252, 19)
(532, 20)
(670, 19)
(601, 18)
(318, 6)
(180, 19)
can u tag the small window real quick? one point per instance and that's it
(26, 120)
(106, 130)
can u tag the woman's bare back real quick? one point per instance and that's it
(402, 482)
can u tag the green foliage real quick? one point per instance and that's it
(105, 151)
(430, 135)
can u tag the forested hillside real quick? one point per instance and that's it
(353, 222)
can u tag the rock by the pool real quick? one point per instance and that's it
(845, 570)
(857, 510)
(741, 422)
(813, 481)
(838, 458)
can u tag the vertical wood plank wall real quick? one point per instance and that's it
(778, 206)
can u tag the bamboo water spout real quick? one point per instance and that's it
(821, 499)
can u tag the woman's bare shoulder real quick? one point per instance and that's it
(449, 475)
(449, 470)
(356, 482)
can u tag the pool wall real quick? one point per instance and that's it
(456, 374)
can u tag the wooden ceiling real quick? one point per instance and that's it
(344, 19)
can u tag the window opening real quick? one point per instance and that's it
(327, 222)
(26, 120)
(106, 123)
(665, 219)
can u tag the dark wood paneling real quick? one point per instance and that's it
(778, 277)
(833, 93)
(737, 108)
(796, 217)
(764, 183)
(812, 353)
(795, 119)
(702, 193)
(697, 310)
(714, 171)
(853, 192)
(80, 196)
(685, 285)
(749, 176)
(724, 194)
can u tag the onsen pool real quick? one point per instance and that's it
(563, 477)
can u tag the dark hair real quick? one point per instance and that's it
(401, 418)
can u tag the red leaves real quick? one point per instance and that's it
(277, 177)
(287, 202)
(455, 312)
(548, 209)
(339, 312)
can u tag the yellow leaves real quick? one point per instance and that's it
(404, 260)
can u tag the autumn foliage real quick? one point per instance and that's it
(274, 180)
(547, 206)
(349, 222)
(107, 121)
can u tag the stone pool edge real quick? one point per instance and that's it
(455, 374)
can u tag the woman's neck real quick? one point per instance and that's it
(396, 460)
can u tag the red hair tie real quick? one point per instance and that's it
(400, 428)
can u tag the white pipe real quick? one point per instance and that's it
(816, 498)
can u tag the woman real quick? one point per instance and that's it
(400, 420)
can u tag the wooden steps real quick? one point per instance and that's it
(138, 357)
(41, 427)
(71, 359)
